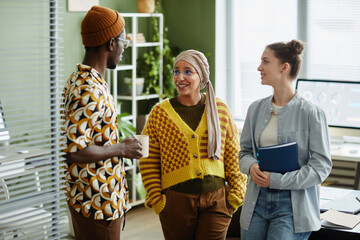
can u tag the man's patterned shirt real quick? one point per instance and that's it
(97, 189)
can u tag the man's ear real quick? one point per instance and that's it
(111, 44)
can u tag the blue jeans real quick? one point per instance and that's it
(273, 218)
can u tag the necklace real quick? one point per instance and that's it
(275, 109)
(274, 113)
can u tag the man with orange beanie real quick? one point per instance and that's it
(96, 186)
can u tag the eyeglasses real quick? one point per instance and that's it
(186, 73)
(124, 41)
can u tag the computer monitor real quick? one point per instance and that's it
(339, 99)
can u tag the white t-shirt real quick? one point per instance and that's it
(269, 135)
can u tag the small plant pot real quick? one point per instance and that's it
(139, 85)
(146, 6)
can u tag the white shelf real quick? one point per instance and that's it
(127, 168)
(137, 15)
(146, 44)
(131, 117)
(140, 97)
(137, 202)
(112, 76)
(124, 67)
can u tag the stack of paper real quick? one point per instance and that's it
(336, 219)
(346, 204)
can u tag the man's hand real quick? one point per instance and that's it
(262, 179)
(130, 148)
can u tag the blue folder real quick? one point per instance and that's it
(279, 158)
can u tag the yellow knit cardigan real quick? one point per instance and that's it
(177, 154)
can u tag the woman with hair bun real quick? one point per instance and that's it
(283, 206)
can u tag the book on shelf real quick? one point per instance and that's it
(280, 158)
(140, 38)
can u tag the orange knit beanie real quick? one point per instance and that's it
(100, 25)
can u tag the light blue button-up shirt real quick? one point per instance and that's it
(306, 124)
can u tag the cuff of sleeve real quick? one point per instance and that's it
(234, 201)
(159, 206)
(275, 179)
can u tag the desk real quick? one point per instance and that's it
(22, 199)
(327, 194)
(14, 160)
(347, 152)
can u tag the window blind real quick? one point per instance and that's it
(333, 33)
(330, 30)
(31, 169)
(255, 25)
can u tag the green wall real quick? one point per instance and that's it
(73, 50)
(191, 25)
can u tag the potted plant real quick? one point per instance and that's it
(148, 66)
(139, 85)
(146, 6)
(126, 129)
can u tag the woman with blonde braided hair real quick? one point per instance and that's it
(193, 154)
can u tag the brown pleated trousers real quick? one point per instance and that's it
(203, 216)
(90, 229)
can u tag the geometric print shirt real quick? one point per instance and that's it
(97, 190)
(177, 154)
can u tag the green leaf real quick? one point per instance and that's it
(125, 127)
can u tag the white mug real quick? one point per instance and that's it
(144, 139)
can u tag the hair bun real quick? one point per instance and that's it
(296, 46)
